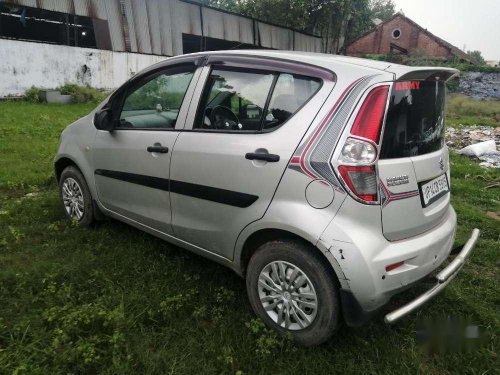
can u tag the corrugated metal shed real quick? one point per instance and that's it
(275, 37)
(227, 26)
(156, 26)
(115, 22)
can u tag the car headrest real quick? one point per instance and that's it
(283, 106)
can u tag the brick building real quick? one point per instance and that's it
(401, 35)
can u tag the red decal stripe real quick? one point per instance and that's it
(320, 127)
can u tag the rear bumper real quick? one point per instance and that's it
(362, 254)
(443, 278)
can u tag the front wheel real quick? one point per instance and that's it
(75, 196)
(294, 291)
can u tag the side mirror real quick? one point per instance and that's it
(103, 120)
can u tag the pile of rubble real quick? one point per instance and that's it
(480, 85)
(481, 142)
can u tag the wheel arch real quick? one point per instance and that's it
(61, 164)
(262, 236)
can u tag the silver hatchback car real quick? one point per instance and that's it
(323, 180)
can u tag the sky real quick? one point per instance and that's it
(473, 23)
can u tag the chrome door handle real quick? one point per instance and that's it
(158, 149)
(271, 158)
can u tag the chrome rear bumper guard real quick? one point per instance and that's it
(443, 279)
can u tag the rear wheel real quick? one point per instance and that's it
(75, 196)
(293, 290)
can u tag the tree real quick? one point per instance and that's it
(477, 57)
(332, 19)
(382, 9)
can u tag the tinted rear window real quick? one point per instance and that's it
(415, 119)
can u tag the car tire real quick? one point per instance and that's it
(310, 321)
(76, 198)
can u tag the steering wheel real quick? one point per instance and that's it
(225, 119)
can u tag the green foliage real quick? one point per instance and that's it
(268, 342)
(391, 57)
(382, 9)
(461, 105)
(37, 127)
(326, 17)
(82, 94)
(115, 300)
(474, 112)
(477, 57)
(453, 85)
(32, 95)
(419, 58)
(159, 92)
(475, 68)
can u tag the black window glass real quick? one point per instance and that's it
(243, 101)
(156, 104)
(291, 93)
(33, 24)
(415, 119)
(234, 100)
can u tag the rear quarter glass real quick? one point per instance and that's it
(415, 120)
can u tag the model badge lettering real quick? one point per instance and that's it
(441, 164)
(397, 180)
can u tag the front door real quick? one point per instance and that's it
(132, 162)
(227, 167)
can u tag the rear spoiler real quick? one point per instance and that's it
(422, 74)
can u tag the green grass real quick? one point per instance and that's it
(29, 135)
(462, 110)
(114, 300)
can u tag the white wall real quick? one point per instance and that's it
(26, 64)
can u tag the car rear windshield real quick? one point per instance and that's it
(415, 119)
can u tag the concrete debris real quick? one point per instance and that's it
(481, 142)
(31, 195)
(490, 160)
(479, 149)
(480, 85)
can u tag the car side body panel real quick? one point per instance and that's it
(309, 194)
(76, 144)
(217, 160)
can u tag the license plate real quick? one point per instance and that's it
(434, 189)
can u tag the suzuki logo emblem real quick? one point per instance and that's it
(441, 164)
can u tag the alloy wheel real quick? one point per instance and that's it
(287, 295)
(72, 196)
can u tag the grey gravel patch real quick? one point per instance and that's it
(480, 85)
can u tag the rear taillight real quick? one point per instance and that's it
(357, 151)
(356, 162)
(361, 180)
(368, 122)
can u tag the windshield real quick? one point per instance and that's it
(415, 119)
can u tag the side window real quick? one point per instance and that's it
(234, 100)
(242, 100)
(290, 93)
(156, 103)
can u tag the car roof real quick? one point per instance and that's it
(323, 60)
(326, 61)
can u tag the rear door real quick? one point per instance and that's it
(244, 130)
(413, 165)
